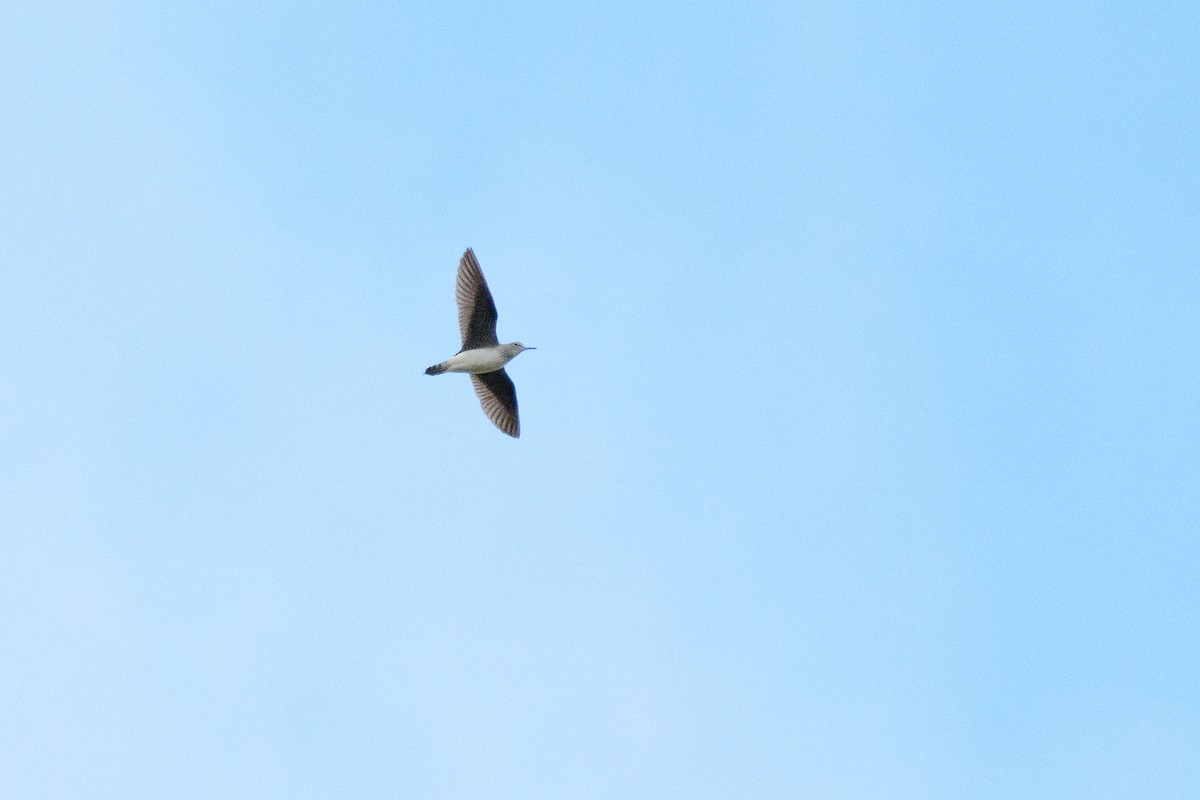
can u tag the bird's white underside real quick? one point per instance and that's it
(483, 359)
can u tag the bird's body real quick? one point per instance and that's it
(479, 359)
(482, 355)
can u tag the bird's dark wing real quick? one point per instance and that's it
(498, 397)
(476, 310)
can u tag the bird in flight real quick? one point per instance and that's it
(482, 355)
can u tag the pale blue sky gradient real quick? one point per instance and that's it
(859, 452)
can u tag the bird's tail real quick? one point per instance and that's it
(436, 369)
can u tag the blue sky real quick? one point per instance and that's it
(858, 455)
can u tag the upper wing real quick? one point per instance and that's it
(498, 397)
(476, 310)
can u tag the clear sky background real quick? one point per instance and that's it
(860, 450)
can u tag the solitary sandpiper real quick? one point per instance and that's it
(482, 355)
